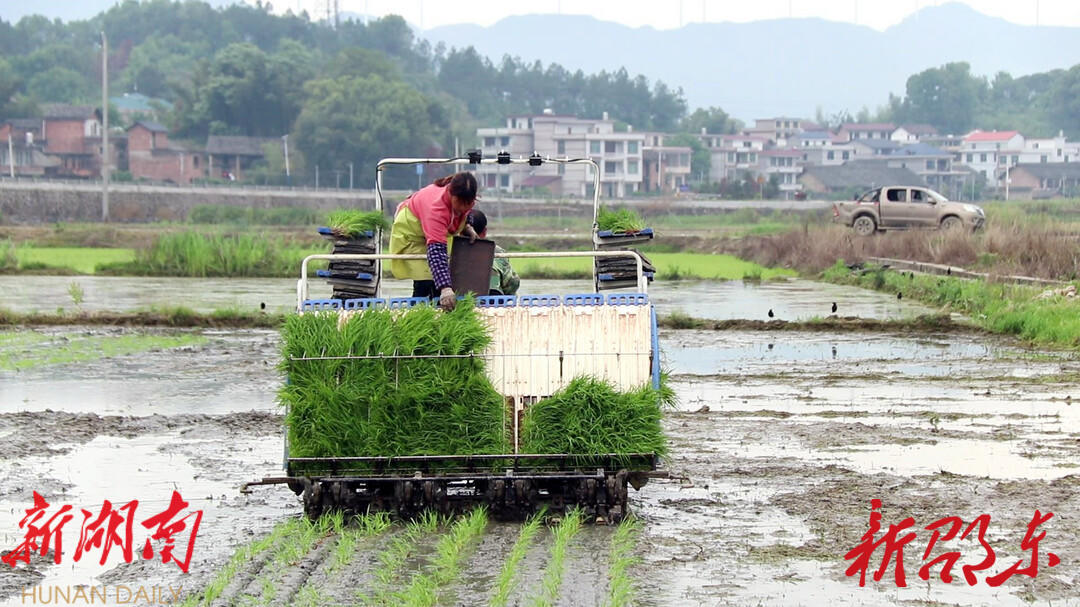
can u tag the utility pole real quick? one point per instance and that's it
(350, 175)
(11, 155)
(105, 127)
(316, 177)
(1006, 178)
(288, 176)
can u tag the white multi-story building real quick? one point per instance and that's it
(733, 155)
(785, 165)
(779, 130)
(618, 154)
(984, 151)
(852, 131)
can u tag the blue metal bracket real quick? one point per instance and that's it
(587, 299)
(496, 301)
(627, 299)
(320, 305)
(530, 301)
(364, 303)
(407, 302)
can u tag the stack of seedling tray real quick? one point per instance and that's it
(389, 382)
(617, 230)
(355, 279)
(621, 272)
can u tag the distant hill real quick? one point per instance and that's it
(783, 66)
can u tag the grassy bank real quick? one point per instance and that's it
(175, 316)
(198, 255)
(1001, 308)
(202, 256)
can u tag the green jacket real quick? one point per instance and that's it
(503, 278)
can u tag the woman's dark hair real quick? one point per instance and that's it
(463, 185)
(477, 220)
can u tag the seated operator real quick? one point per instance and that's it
(504, 281)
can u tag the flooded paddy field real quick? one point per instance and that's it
(789, 299)
(779, 445)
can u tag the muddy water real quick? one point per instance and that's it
(781, 442)
(793, 299)
(777, 448)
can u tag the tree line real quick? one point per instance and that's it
(360, 91)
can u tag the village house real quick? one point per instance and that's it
(231, 156)
(152, 156)
(1044, 180)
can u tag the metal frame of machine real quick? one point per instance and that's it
(511, 485)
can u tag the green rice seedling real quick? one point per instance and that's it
(424, 589)
(621, 586)
(244, 555)
(504, 584)
(590, 417)
(390, 406)
(394, 556)
(552, 582)
(619, 220)
(9, 260)
(350, 223)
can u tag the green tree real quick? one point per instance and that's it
(362, 119)
(1063, 102)
(947, 97)
(58, 84)
(713, 119)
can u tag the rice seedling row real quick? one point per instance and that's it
(552, 583)
(508, 578)
(425, 588)
(393, 558)
(289, 564)
(345, 562)
(620, 585)
(231, 576)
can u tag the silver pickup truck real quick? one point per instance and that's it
(906, 208)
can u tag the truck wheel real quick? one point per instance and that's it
(950, 223)
(864, 225)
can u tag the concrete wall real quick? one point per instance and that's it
(29, 202)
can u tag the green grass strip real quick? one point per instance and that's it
(506, 581)
(621, 586)
(83, 260)
(424, 589)
(552, 582)
(25, 353)
(1000, 308)
(244, 555)
(393, 558)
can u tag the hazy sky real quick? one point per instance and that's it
(878, 14)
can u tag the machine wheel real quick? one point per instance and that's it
(864, 225)
(950, 223)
